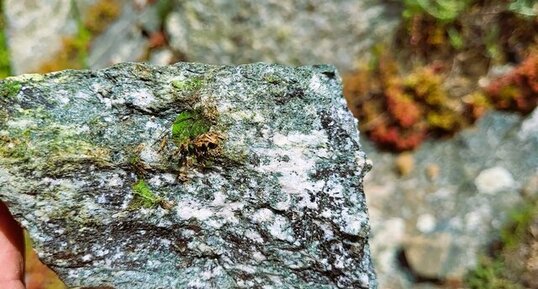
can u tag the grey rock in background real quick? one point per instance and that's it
(258, 184)
(210, 31)
(288, 32)
(35, 29)
(452, 200)
(124, 40)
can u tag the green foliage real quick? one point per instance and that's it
(164, 7)
(188, 125)
(493, 47)
(9, 88)
(5, 68)
(81, 44)
(455, 38)
(524, 7)
(143, 196)
(442, 10)
(489, 275)
(520, 221)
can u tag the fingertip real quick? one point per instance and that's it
(11, 248)
(12, 284)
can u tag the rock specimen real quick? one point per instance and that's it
(188, 176)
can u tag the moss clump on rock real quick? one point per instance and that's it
(188, 125)
(143, 196)
(187, 85)
(10, 88)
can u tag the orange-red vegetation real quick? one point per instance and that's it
(518, 90)
(157, 39)
(398, 112)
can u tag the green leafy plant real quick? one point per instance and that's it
(520, 221)
(505, 269)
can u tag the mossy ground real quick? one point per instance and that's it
(513, 260)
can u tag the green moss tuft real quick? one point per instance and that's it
(441, 10)
(10, 88)
(272, 79)
(188, 125)
(187, 85)
(143, 196)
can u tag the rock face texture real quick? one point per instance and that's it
(188, 176)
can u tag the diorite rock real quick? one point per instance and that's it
(188, 176)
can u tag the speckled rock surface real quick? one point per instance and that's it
(188, 176)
